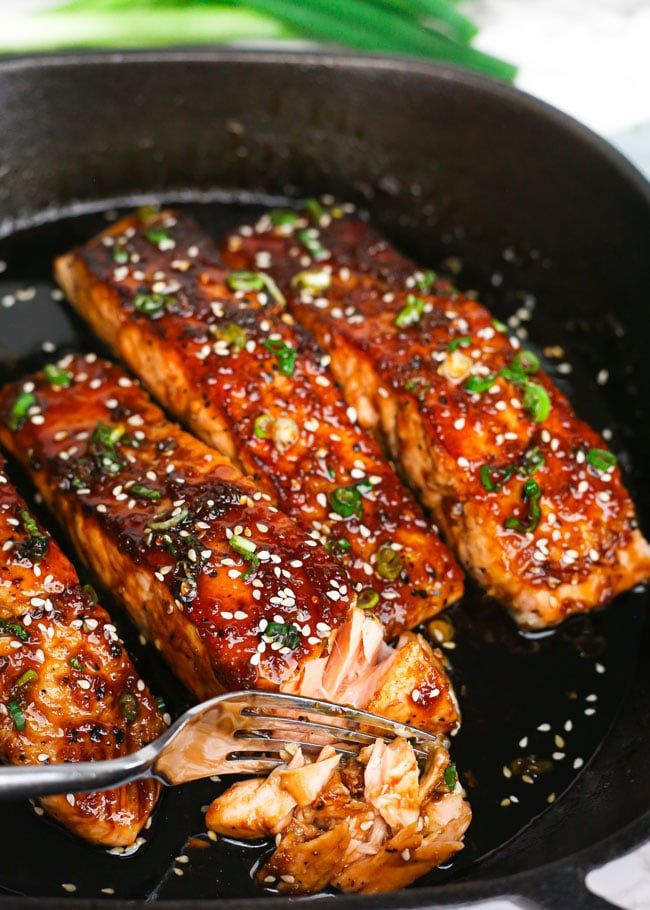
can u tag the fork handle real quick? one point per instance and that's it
(72, 777)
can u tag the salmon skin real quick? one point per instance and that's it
(527, 494)
(233, 592)
(219, 351)
(68, 690)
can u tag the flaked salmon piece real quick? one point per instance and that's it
(232, 592)
(68, 689)
(379, 833)
(219, 351)
(528, 495)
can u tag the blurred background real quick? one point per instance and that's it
(590, 58)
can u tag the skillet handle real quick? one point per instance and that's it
(563, 889)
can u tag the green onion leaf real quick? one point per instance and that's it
(157, 235)
(286, 633)
(168, 520)
(389, 562)
(160, 703)
(90, 593)
(284, 352)
(450, 776)
(601, 459)
(233, 334)
(346, 501)
(254, 281)
(367, 599)
(314, 209)
(141, 491)
(13, 628)
(283, 218)
(532, 461)
(531, 494)
(339, 545)
(153, 305)
(36, 546)
(263, 426)
(310, 240)
(16, 715)
(107, 434)
(314, 280)
(424, 281)
(120, 254)
(493, 476)
(499, 326)
(24, 680)
(56, 376)
(76, 664)
(19, 409)
(479, 384)
(246, 549)
(129, 706)
(411, 313)
(459, 343)
(418, 386)
(537, 401)
(526, 362)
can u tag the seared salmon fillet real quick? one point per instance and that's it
(527, 494)
(68, 690)
(370, 824)
(218, 350)
(233, 593)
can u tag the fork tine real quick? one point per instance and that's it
(339, 734)
(303, 725)
(263, 746)
(312, 706)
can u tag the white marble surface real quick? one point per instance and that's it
(590, 58)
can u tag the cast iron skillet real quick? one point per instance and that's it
(542, 216)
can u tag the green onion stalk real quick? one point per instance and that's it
(429, 29)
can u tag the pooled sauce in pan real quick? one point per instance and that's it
(535, 707)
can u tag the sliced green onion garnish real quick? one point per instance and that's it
(19, 409)
(169, 520)
(456, 343)
(90, 593)
(120, 254)
(107, 434)
(411, 313)
(283, 218)
(424, 281)
(16, 715)
(531, 494)
(346, 501)
(36, 547)
(13, 628)
(312, 280)
(389, 562)
(526, 362)
(339, 545)
(129, 706)
(601, 459)
(56, 376)
(153, 305)
(157, 235)
(27, 677)
(310, 240)
(141, 491)
(284, 352)
(255, 281)
(499, 326)
(537, 401)
(314, 209)
(263, 426)
(532, 461)
(367, 599)
(160, 703)
(418, 385)
(493, 476)
(246, 549)
(233, 334)
(286, 633)
(479, 384)
(76, 664)
(450, 776)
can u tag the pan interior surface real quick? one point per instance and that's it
(467, 177)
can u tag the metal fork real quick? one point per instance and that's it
(236, 733)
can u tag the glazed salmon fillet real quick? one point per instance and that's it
(231, 591)
(528, 495)
(68, 690)
(220, 352)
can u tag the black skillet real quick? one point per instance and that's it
(539, 215)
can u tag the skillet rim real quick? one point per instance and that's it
(541, 886)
